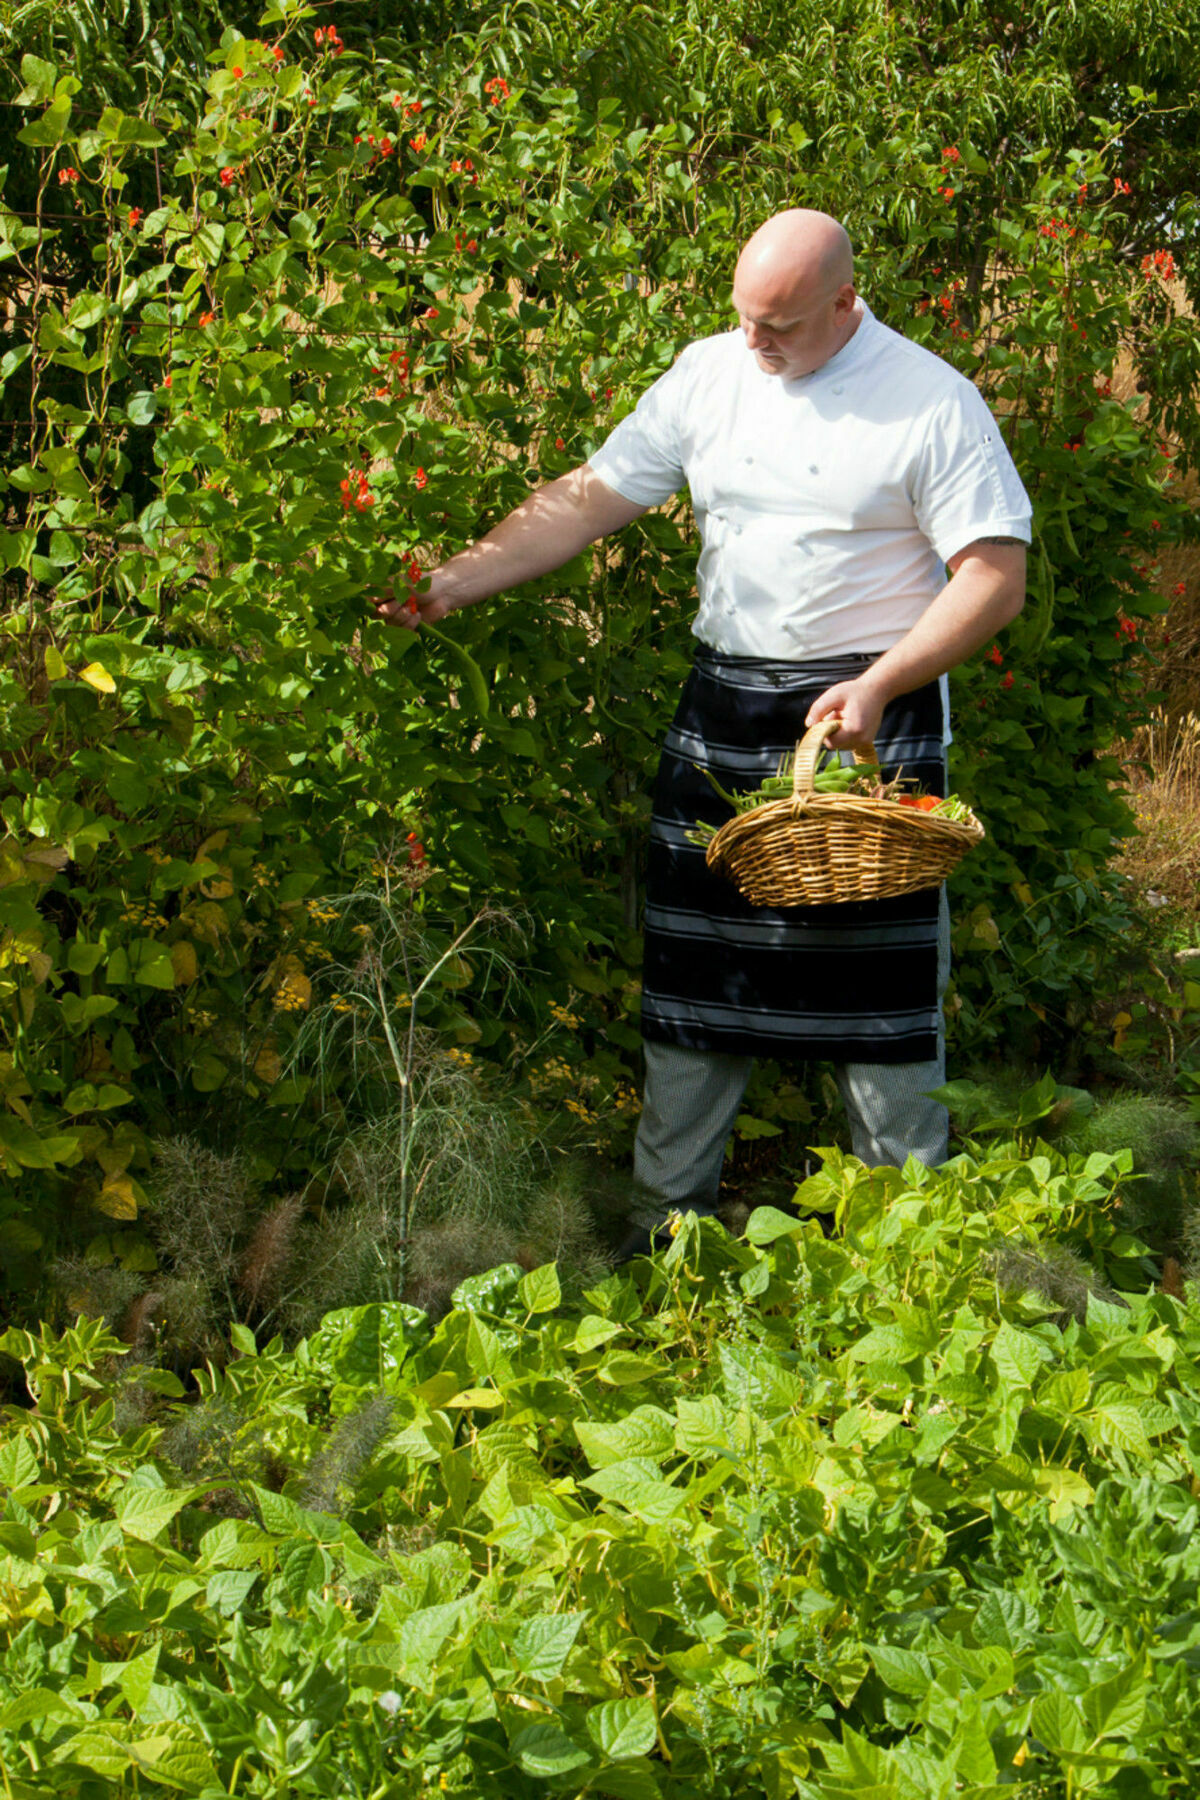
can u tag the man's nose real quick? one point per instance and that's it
(756, 337)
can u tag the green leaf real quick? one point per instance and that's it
(540, 1290)
(19, 1467)
(636, 1486)
(145, 1512)
(540, 1646)
(1056, 1719)
(767, 1224)
(141, 407)
(1016, 1355)
(646, 1431)
(175, 1756)
(623, 1727)
(546, 1751)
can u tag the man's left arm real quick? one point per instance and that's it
(985, 593)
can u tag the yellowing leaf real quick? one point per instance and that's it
(220, 888)
(206, 921)
(183, 961)
(117, 1198)
(1121, 1025)
(267, 1064)
(98, 677)
(1024, 893)
(56, 663)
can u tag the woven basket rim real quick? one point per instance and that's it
(796, 806)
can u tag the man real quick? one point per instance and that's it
(836, 472)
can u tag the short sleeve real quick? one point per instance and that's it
(643, 457)
(967, 486)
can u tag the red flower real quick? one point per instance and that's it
(1121, 187)
(951, 154)
(236, 72)
(136, 215)
(419, 142)
(206, 318)
(559, 444)
(431, 312)
(227, 178)
(472, 246)
(994, 655)
(166, 381)
(947, 193)
(319, 35)
(416, 849)
(420, 478)
(1160, 263)
(277, 53)
(355, 491)
(1179, 588)
(497, 87)
(68, 177)
(414, 106)
(1008, 680)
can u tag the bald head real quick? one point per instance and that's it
(794, 292)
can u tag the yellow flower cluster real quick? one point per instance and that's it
(314, 952)
(203, 1020)
(402, 1002)
(550, 1073)
(321, 915)
(340, 1004)
(289, 998)
(580, 1108)
(260, 876)
(462, 1059)
(144, 914)
(562, 1015)
(362, 931)
(626, 1099)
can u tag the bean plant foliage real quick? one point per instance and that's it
(295, 306)
(907, 1510)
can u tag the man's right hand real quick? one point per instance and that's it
(551, 526)
(409, 606)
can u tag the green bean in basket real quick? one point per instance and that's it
(834, 778)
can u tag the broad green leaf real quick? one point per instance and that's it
(623, 1727)
(646, 1432)
(1056, 1719)
(174, 1756)
(145, 1512)
(767, 1224)
(540, 1646)
(1064, 1488)
(592, 1331)
(545, 1751)
(19, 1467)
(1016, 1355)
(636, 1486)
(540, 1291)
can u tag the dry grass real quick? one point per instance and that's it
(1163, 860)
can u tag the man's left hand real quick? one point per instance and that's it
(859, 705)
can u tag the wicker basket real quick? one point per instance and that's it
(810, 848)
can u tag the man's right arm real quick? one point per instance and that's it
(554, 524)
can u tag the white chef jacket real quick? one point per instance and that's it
(827, 504)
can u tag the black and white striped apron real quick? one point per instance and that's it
(851, 982)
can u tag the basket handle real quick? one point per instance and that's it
(808, 754)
